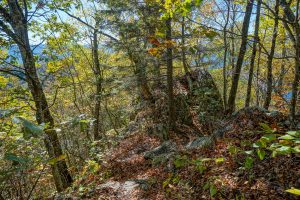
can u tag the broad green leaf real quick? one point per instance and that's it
(29, 129)
(233, 150)
(248, 163)
(266, 128)
(55, 160)
(6, 113)
(261, 154)
(260, 144)
(269, 137)
(206, 186)
(294, 133)
(249, 152)
(296, 149)
(14, 157)
(180, 161)
(206, 159)
(198, 2)
(212, 190)
(286, 137)
(296, 141)
(219, 160)
(284, 150)
(294, 191)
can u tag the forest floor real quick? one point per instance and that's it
(220, 171)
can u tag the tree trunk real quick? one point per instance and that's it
(225, 56)
(279, 88)
(62, 177)
(98, 76)
(170, 75)
(254, 50)
(239, 64)
(290, 16)
(257, 77)
(270, 59)
(232, 51)
(185, 67)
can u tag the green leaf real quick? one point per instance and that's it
(284, 150)
(206, 159)
(297, 141)
(212, 190)
(260, 144)
(29, 129)
(206, 186)
(294, 133)
(294, 191)
(14, 157)
(269, 137)
(198, 2)
(55, 160)
(166, 182)
(296, 149)
(233, 150)
(219, 160)
(286, 137)
(180, 161)
(261, 154)
(249, 152)
(266, 128)
(248, 163)
(6, 113)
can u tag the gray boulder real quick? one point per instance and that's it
(201, 142)
(164, 149)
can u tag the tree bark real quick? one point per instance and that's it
(185, 67)
(290, 16)
(170, 75)
(18, 22)
(239, 64)
(98, 76)
(225, 56)
(254, 50)
(270, 59)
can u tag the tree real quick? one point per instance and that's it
(239, 63)
(294, 34)
(270, 59)
(226, 47)
(253, 55)
(14, 23)
(169, 57)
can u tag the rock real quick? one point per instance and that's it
(128, 187)
(274, 113)
(201, 142)
(250, 111)
(165, 148)
(111, 184)
(205, 95)
(64, 197)
(143, 183)
(132, 126)
(125, 190)
(159, 130)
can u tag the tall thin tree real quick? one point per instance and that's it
(169, 56)
(15, 15)
(253, 55)
(239, 64)
(270, 59)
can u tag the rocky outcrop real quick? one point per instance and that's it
(204, 95)
(164, 149)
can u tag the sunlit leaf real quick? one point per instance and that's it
(294, 191)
